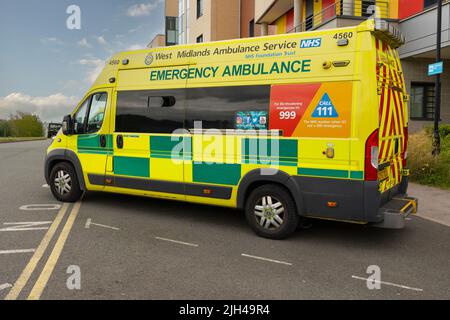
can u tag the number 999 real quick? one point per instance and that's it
(288, 115)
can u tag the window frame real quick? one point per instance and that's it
(423, 85)
(199, 8)
(425, 6)
(251, 28)
(88, 111)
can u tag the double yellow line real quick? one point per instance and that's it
(43, 278)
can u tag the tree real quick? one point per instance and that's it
(5, 128)
(26, 125)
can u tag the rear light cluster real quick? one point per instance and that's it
(371, 160)
(405, 147)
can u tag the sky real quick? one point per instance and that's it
(46, 68)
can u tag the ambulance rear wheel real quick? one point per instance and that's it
(64, 183)
(271, 213)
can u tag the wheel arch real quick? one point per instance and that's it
(259, 177)
(62, 155)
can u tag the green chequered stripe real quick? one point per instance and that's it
(326, 173)
(226, 174)
(129, 166)
(270, 151)
(168, 147)
(90, 144)
(357, 175)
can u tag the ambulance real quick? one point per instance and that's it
(285, 128)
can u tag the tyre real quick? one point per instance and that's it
(64, 183)
(271, 213)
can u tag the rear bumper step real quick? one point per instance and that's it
(396, 211)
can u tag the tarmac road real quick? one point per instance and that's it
(136, 248)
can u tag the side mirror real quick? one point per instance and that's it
(67, 125)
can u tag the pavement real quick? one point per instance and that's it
(434, 203)
(121, 247)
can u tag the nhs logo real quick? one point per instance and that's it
(311, 43)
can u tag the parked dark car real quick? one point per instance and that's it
(53, 129)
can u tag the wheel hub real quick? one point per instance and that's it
(269, 212)
(63, 182)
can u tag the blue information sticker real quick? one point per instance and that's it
(252, 120)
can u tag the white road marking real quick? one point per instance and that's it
(89, 223)
(25, 226)
(45, 186)
(39, 207)
(388, 283)
(17, 251)
(5, 286)
(178, 242)
(266, 259)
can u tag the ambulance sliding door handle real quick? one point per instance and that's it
(102, 141)
(120, 141)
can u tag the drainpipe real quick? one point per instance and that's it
(298, 13)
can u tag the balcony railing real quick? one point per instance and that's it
(345, 8)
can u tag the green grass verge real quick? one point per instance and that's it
(9, 140)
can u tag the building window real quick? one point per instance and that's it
(422, 101)
(171, 31)
(368, 8)
(429, 3)
(199, 8)
(251, 29)
(200, 39)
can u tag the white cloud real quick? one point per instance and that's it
(95, 67)
(101, 40)
(134, 30)
(143, 9)
(84, 43)
(135, 47)
(52, 40)
(50, 108)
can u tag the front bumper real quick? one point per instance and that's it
(396, 211)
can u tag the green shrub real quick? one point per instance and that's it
(444, 130)
(426, 168)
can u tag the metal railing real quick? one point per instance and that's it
(345, 8)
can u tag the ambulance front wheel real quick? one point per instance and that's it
(64, 183)
(271, 213)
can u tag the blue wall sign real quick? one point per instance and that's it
(435, 68)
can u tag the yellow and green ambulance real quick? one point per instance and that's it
(285, 127)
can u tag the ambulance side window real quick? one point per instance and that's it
(80, 117)
(89, 117)
(218, 107)
(150, 111)
(96, 112)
